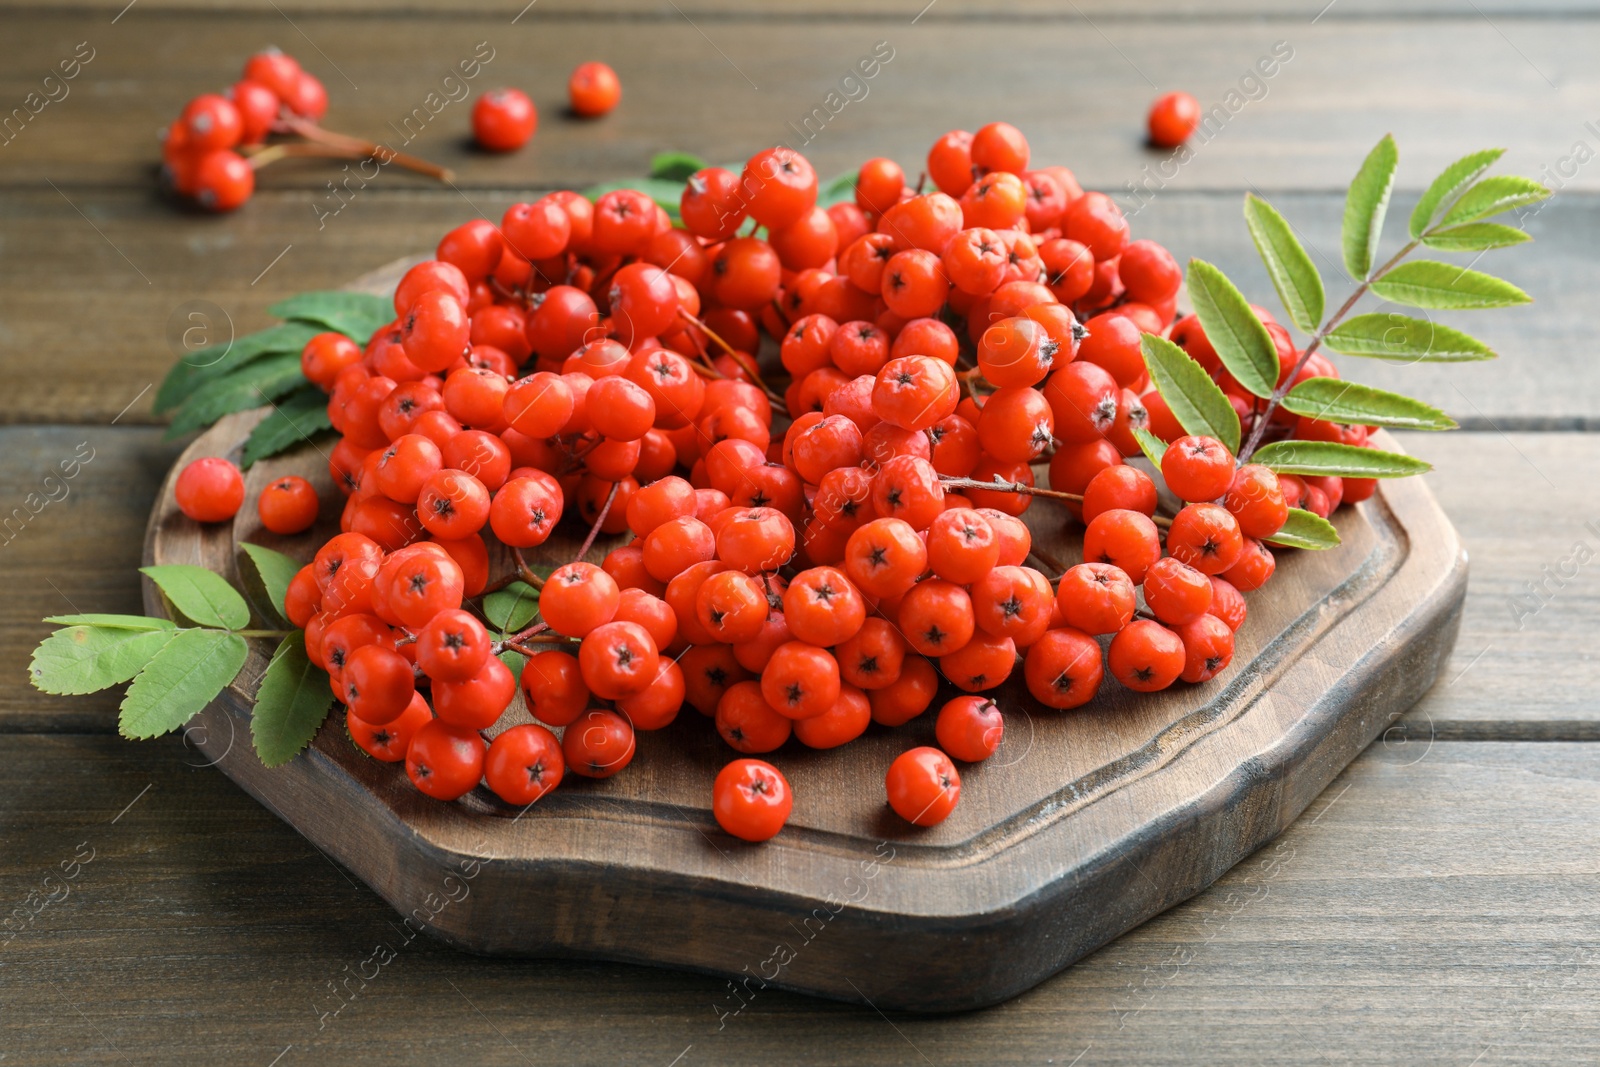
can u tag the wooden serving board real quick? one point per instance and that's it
(1084, 824)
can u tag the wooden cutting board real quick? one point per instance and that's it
(1084, 824)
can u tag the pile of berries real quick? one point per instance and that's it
(806, 558)
(200, 152)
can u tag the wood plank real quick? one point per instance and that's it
(946, 10)
(1534, 682)
(1423, 912)
(1525, 82)
(149, 263)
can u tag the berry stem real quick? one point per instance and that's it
(263, 633)
(1260, 428)
(526, 571)
(999, 486)
(594, 531)
(743, 359)
(363, 148)
(1048, 560)
(532, 631)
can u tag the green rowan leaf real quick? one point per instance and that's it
(206, 365)
(1428, 283)
(1293, 274)
(1152, 446)
(271, 571)
(513, 607)
(1305, 529)
(297, 417)
(1402, 339)
(180, 680)
(1503, 192)
(1476, 237)
(251, 386)
(1319, 458)
(675, 166)
(1239, 337)
(1456, 177)
(1197, 402)
(200, 595)
(291, 704)
(113, 622)
(356, 315)
(1353, 404)
(85, 659)
(1365, 206)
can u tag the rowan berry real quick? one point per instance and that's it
(656, 706)
(1173, 117)
(478, 701)
(1014, 602)
(756, 539)
(209, 489)
(879, 184)
(1017, 351)
(923, 786)
(1118, 487)
(481, 454)
(1145, 656)
(1128, 539)
(389, 741)
(975, 261)
(424, 585)
(1016, 425)
(1068, 267)
(747, 722)
(751, 799)
(1095, 221)
(445, 761)
(593, 89)
(302, 599)
(962, 546)
(1000, 146)
(1047, 199)
(577, 598)
(1197, 468)
(503, 120)
(1207, 648)
(452, 647)
(1206, 537)
(908, 488)
(969, 728)
(885, 557)
(553, 688)
(1063, 669)
(403, 467)
(800, 680)
(1254, 567)
(731, 607)
(822, 607)
(378, 683)
(1175, 592)
(523, 764)
(1083, 397)
(953, 446)
(452, 504)
(598, 744)
(847, 720)
(997, 201)
(618, 659)
(339, 550)
(287, 505)
(1227, 603)
(936, 617)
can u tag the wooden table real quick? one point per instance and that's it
(1437, 905)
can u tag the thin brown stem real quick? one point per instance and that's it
(594, 531)
(527, 572)
(533, 631)
(998, 486)
(1050, 561)
(365, 148)
(744, 359)
(1260, 428)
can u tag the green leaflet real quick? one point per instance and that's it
(1196, 401)
(297, 417)
(84, 659)
(1241, 339)
(272, 571)
(837, 191)
(1476, 237)
(1365, 206)
(1392, 336)
(675, 166)
(1305, 529)
(113, 622)
(1428, 283)
(1350, 403)
(291, 703)
(356, 315)
(514, 661)
(1456, 177)
(513, 607)
(1503, 192)
(252, 385)
(1347, 461)
(1293, 274)
(208, 364)
(200, 595)
(1152, 446)
(180, 680)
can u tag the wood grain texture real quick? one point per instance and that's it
(1087, 824)
(945, 10)
(1444, 86)
(1423, 911)
(1544, 379)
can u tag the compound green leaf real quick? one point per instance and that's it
(356, 315)
(271, 570)
(1476, 237)
(1503, 192)
(297, 417)
(1456, 177)
(1365, 206)
(85, 659)
(200, 595)
(180, 680)
(513, 607)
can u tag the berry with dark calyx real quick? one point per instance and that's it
(751, 799)
(969, 728)
(923, 786)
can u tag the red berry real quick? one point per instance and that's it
(1097, 598)
(1127, 539)
(594, 89)
(1207, 648)
(1175, 592)
(524, 763)
(287, 505)
(598, 744)
(503, 119)
(1197, 468)
(1173, 117)
(923, 786)
(1206, 537)
(751, 799)
(445, 761)
(969, 728)
(209, 489)
(1063, 668)
(1146, 656)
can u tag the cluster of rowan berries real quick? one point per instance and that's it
(805, 562)
(199, 151)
